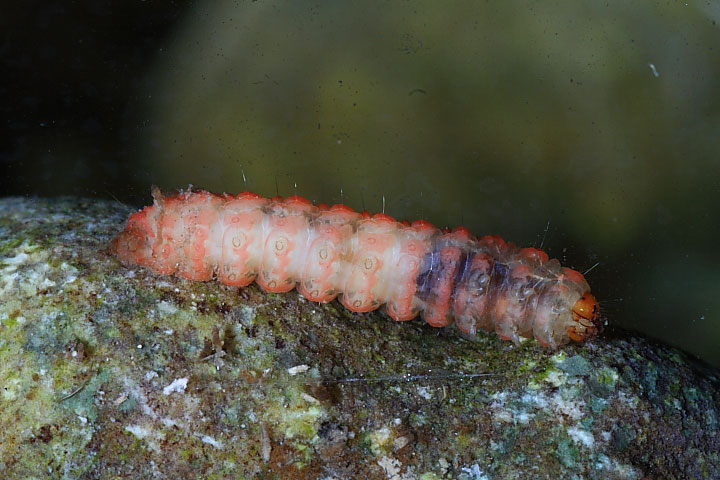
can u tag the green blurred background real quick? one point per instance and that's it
(590, 128)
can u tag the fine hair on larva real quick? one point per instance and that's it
(445, 276)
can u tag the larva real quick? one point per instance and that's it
(368, 260)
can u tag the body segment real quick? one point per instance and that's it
(368, 260)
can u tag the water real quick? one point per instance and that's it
(601, 119)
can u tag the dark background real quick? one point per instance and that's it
(590, 128)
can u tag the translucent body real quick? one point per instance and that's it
(367, 260)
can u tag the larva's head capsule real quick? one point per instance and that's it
(586, 318)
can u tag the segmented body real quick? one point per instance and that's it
(368, 260)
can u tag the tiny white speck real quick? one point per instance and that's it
(654, 70)
(139, 346)
(210, 440)
(400, 442)
(309, 399)
(425, 393)
(474, 472)
(177, 385)
(298, 369)
(581, 436)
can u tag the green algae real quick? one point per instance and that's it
(575, 366)
(566, 452)
(603, 383)
(112, 372)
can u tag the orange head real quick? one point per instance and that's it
(586, 315)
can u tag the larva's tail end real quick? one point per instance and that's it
(133, 246)
(586, 318)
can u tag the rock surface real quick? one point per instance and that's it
(110, 372)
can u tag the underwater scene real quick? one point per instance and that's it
(157, 322)
(590, 129)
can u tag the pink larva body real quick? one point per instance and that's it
(369, 260)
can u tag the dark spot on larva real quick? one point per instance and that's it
(280, 244)
(279, 343)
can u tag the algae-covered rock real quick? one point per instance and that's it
(113, 372)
